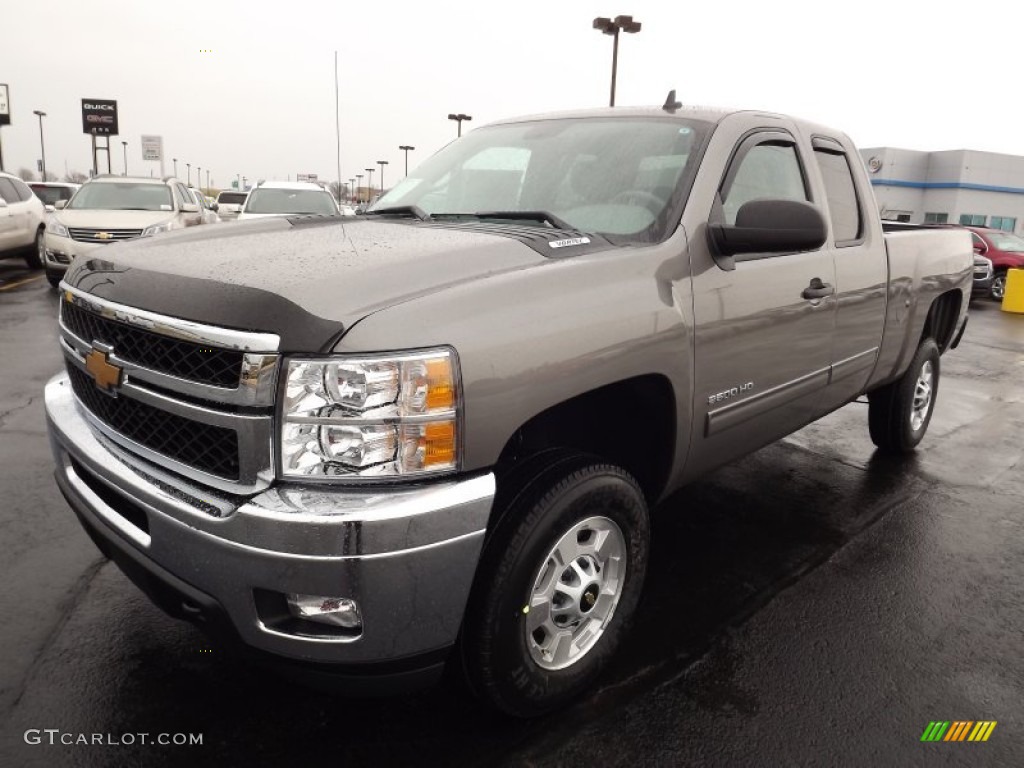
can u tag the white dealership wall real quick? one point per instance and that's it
(954, 182)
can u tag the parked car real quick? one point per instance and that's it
(206, 209)
(370, 447)
(110, 209)
(22, 221)
(1004, 249)
(288, 198)
(52, 191)
(229, 203)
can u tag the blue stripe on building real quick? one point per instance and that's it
(946, 185)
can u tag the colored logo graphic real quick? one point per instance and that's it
(958, 730)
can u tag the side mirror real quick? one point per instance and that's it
(49, 208)
(216, 207)
(59, 205)
(768, 226)
(190, 208)
(980, 248)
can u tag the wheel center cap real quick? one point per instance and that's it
(589, 598)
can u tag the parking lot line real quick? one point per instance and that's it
(20, 282)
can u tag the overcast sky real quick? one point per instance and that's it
(260, 102)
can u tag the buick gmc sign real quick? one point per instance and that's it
(99, 117)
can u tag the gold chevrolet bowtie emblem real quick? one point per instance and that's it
(106, 375)
(103, 235)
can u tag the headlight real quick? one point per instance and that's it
(371, 416)
(54, 227)
(156, 229)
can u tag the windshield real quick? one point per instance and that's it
(614, 176)
(231, 198)
(269, 200)
(1010, 243)
(123, 196)
(50, 195)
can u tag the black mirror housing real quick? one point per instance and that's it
(771, 226)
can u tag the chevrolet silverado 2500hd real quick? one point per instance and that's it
(432, 435)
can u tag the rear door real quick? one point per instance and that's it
(762, 348)
(861, 270)
(8, 219)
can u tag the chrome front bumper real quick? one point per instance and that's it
(406, 555)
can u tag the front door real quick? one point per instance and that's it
(763, 330)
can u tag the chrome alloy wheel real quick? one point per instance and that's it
(575, 593)
(41, 248)
(999, 286)
(922, 396)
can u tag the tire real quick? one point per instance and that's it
(899, 413)
(998, 289)
(34, 259)
(53, 280)
(566, 560)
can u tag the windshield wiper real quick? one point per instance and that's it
(542, 216)
(400, 210)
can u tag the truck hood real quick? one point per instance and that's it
(308, 280)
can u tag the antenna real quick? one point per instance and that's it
(671, 105)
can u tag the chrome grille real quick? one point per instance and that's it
(193, 398)
(207, 365)
(94, 235)
(203, 446)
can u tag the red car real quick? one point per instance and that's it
(1004, 249)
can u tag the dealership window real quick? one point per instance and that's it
(936, 218)
(903, 216)
(973, 219)
(1005, 223)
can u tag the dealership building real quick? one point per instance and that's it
(959, 186)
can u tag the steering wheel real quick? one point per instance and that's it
(650, 200)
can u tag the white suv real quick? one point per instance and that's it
(288, 198)
(230, 202)
(109, 209)
(22, 221)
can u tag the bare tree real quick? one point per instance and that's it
(51, 176)
(76, 177)
(336, 189)
(26, 174)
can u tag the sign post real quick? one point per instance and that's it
(5, 115)
(99, 118)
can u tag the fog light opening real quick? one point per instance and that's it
(326, 609)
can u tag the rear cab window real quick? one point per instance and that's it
(844, 207)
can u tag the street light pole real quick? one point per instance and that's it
(405, 148)
(199, 176)
(359, 177)
(207, 180)
(188, 181)
(351, 188)
(175, 167)
(124, 145)
(459, 118)
(610, 27)
(369, 183)
(382, 163)
(42, 144)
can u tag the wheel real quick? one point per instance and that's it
(899, 413)
(998, 289)
(37, 257)
(651, 201)
(53, 279)
(558, 583)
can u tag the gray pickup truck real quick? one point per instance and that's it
(369, 448)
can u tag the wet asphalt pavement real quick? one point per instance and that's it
(811, 604)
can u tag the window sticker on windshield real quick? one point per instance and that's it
(165, 207)
(685, 130)
(569, 241)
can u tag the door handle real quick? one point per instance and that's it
(818, 289)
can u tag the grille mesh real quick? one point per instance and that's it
(207, 365)
(203, 446)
